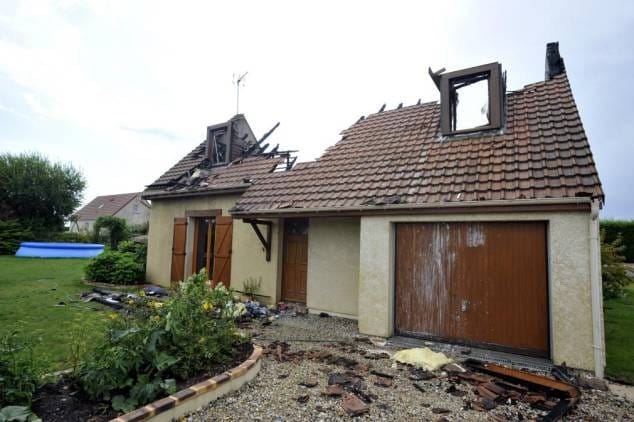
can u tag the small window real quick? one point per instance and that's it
(219, 148)
(472, 99)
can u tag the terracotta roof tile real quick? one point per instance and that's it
(543, 152)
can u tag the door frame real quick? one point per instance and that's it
(191, 216)
(440, 339)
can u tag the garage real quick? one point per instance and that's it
(482, 284)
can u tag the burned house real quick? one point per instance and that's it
(465, 221)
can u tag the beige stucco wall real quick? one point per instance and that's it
(247, 258)
(333, 266)
(569, 284)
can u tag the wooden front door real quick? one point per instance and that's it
(178, 249)
(203, 245)
(474, 283)
(295, 265)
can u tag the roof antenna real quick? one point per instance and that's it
(238, 81)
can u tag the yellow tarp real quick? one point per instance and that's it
(422, 358)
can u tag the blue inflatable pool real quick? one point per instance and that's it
(59, 250)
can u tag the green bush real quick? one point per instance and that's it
(613, 272)
(138, 249)
(115, 227)
(67, 237)
(11, 234)
(115, 267)
(146, 350)
(139, 229)
(624, 228)
(20, 370)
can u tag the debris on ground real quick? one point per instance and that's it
(422, 357)
(353, 405)
(302, 350)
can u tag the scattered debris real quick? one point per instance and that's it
(381, 374)
(419, 387)
(418, 374)
(155, 291)
(333, 390)
(303, 398)
(309, 383)
(383, 382)
(422, 358)
(353, 405)
(440, 410)
(324, 315)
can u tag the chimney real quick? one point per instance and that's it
(554, 62)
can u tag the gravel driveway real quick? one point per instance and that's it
(276, 393)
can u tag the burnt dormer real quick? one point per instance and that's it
(218, 148)
(471, 100)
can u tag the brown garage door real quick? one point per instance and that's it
(474, 283)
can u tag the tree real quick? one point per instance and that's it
(38, 193)
(613, 271)
(117, 230)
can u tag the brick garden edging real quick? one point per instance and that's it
(189, 399)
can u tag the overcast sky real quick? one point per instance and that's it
(123, 89)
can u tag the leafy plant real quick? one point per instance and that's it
(115, 227)
(144, 351)
(139, 229)
(623, 229)
(11, 234)
(18, 414)
(251, 286)
(20, 371)
(138, 249)
(116, 267)
(613, 272)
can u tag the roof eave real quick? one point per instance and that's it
(516, 205)
(210, 192)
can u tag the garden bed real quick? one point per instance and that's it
(63, 402)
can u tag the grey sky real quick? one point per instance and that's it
(124, 88)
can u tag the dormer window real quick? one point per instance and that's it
(471, 99)
(218, 144)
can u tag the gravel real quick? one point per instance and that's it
(276, 394)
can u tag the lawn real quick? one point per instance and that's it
(619, 336)
(41, 296)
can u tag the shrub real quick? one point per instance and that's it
(139, 250)
(139, 229)
(11, 234)
(146, 350)
(251, 286)
(115, 267)
(20, 371)
(67, 237)
(116, 228)
(613, 272)
(623, 228)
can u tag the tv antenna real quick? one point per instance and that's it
(238, 81)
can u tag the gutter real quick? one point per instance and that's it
(424, 206)
(597, 293)
(224, 191)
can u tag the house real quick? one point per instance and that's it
(472, 221)
(128, 206)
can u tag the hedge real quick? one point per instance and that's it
(625, 228)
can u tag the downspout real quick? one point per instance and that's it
(597, 292)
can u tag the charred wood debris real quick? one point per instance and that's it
(494, 385)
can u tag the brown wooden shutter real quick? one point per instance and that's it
(222, 251)
(178, 249)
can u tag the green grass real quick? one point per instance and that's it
(30, 289)
(619, 336)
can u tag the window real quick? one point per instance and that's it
(218, 144)
(472, 99)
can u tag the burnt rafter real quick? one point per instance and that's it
(266, 241)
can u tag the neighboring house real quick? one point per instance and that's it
(464, 222)
(128, 206)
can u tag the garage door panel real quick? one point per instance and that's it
(482, 283)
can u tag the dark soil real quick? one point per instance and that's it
(63, 402)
